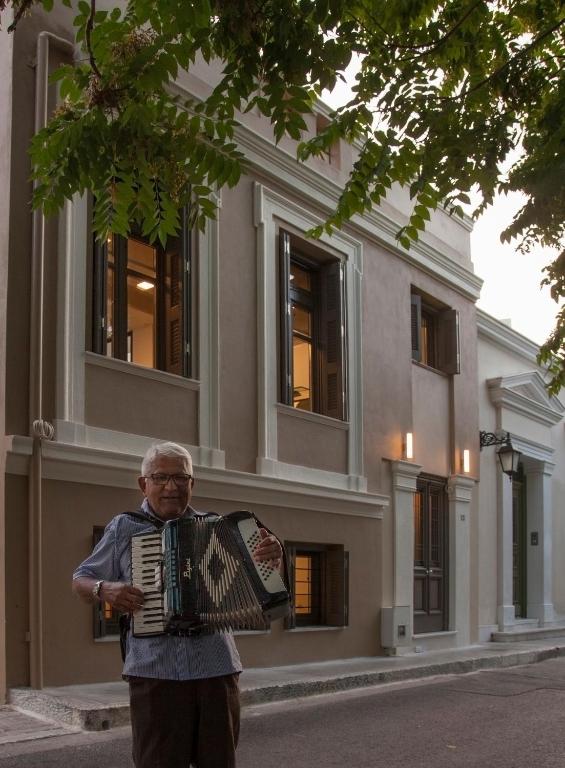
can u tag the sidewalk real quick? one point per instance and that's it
(102, 706)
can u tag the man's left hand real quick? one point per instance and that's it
(268, 548)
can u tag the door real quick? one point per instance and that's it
(430, 557)
(519, 552)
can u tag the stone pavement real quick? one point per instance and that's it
(98, 707)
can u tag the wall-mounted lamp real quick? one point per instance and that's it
(509, 457)
(466, 461)
(409, 446)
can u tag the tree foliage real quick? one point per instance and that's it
(446, 91)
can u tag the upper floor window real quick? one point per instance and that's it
(312, 329)
(141, 301)
(435, 334)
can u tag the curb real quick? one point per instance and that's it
(266, 694)
(100, 717)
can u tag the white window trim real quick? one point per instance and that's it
(270, 210)
(73, 302)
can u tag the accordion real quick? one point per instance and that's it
(198, 575)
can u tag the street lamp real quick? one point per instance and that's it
(508, 456)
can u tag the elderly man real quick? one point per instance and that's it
(184, 696)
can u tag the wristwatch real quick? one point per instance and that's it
(96, 589)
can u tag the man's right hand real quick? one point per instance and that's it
(122, 596)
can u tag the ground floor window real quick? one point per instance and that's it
(320, 584)
(105, 617)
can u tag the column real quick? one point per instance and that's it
(506, 613)
(460, 494)
(540, 520)
(397, 619)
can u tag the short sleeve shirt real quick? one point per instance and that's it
(166, 657)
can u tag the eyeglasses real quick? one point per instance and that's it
(181, 481)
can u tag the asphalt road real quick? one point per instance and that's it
(497, 719)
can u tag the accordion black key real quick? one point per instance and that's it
(198, 575)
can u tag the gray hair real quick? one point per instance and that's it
(173, 450)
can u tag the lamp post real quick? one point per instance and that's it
(508, 456)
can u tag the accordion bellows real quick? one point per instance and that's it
(199, 575)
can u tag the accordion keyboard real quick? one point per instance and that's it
(146, 557)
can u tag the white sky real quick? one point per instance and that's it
(512, 280)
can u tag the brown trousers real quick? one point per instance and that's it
(178, 723)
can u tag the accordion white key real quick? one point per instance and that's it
(198, 575)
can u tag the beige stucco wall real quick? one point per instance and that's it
(71, 655)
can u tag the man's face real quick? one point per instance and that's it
(168, 500)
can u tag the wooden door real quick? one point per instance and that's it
(430, 557)
(519, 551)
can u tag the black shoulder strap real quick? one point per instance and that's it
(144, 519)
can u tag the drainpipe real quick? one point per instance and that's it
(40, 429)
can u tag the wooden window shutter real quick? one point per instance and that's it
(290, 549)
(332, 338)
(103, 625)
(99, 319)
(174, 302)
(173, 337)
(415, 325)
(285, 319)
(448, 341)
(336, 587)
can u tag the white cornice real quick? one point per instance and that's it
(505, 337)
(83, 464)
(262, 156)
(311, 184)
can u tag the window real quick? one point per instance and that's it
(312, 329)
(319, 579)
(106, 619)
(142, 301)
(435, 334)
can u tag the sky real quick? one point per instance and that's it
(511, 289)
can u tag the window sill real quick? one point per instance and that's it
(432, 369)
(425, 635)
(317, 418)
(317, 628)
(107, 639)
(133, 369)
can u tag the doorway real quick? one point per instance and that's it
(430, 556)
(519, 546)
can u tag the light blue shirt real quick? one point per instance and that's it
(166, 657)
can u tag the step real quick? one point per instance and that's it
(521, 633)
(107, 707)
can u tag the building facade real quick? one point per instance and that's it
(520, 545)
(330, 387)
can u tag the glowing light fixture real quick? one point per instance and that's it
(145, 286)
(409, 446)
(466, 461)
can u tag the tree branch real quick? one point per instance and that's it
(88, 34)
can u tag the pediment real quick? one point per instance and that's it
(526, 394)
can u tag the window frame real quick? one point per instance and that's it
(103, 627)
(121, 346)
(320, 265)
(443, 350)
(332, 589)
